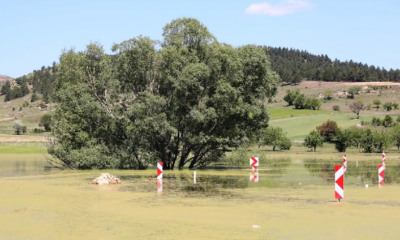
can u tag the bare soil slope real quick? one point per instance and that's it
(4, 78)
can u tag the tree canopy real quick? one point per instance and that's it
(180, 101)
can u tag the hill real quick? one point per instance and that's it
(4, 78)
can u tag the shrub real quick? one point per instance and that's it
(377, 102)
(388, 106)
(291, 96)
(25, 104)
(353, 91)
(19, 128)
(328, 130)
(38, 130)
(369, 106)
(398, 119)
(376, 121)
(387, 121)
(342, 140)
(312, 103)
(313, 140)
(299, 101)
(328, 95)
(336, 108)
(395, 105)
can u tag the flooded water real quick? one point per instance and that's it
(289, 198)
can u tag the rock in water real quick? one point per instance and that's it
(106, 178)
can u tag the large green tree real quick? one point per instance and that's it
(182, 102)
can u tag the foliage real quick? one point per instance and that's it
(328, 130)
(5, 88)
(183, 102)
(25, 104)
(353, 91)
(367, 140)
(376, 121)
(291, 96)
(342, 140)
(299, 101)
(382, 140)
(377, 102)
(388, 106)
(293, 65)
(312, 103)
(356, 107)
(45, 121)
(395, 133)
(34, 97)
(313, 140)
(38, 130)
(16, 92)
(387, 121)
(19, 128)
(275, 137)
(336, 108)
(395, 105)
(355, 136)
(328, 95)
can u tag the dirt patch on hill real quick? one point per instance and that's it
(312, 84)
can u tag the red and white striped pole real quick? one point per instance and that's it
(381, 174)
(254, 175)
(159, 170)
(339, 182)
(383, 158)
(345, 163)
(254, 163)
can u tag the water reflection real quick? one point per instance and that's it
(18, 166)
(357, 172)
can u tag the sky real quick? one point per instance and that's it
(34, 33)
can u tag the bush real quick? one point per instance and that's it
(45, 122)
(38, 130)
(342, 140)
(291, 96)
(353, 91)
(377, 102)
(336, 108)
(398, 119)
(19, 128)
(395, 105)
(328, 130)
(313, 140)
(34, 97)
(328, 95)
(388, 106)
(299, 101)
(312, 103)
(376, 121)
(369, 106)
(387, 121)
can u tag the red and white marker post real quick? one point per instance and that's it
(383, 158)
(159, 170)
(345, 163)
(339, 182)
(381, 174)
(254, 163)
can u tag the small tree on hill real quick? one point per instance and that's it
(328, 129)
(356, 107)
(387, 121)
(353, 91)
(342, 140)
(19, 128)
(328, 95)
(291, 96)
(299, 101)
(388, 106)
(313, 140)
(275, 137)
(377, 102)
(45, 121)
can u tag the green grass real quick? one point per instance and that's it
(287, 112)
(298, 127)
(25, 148)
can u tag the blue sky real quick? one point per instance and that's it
(33, 33)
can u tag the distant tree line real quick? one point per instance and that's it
(14, 92)
(294, 65)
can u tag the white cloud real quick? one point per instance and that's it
(280, 9)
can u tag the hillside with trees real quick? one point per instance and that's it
(295, 65)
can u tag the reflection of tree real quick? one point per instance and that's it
(277, 166)
(19, 168)
(366, 170)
